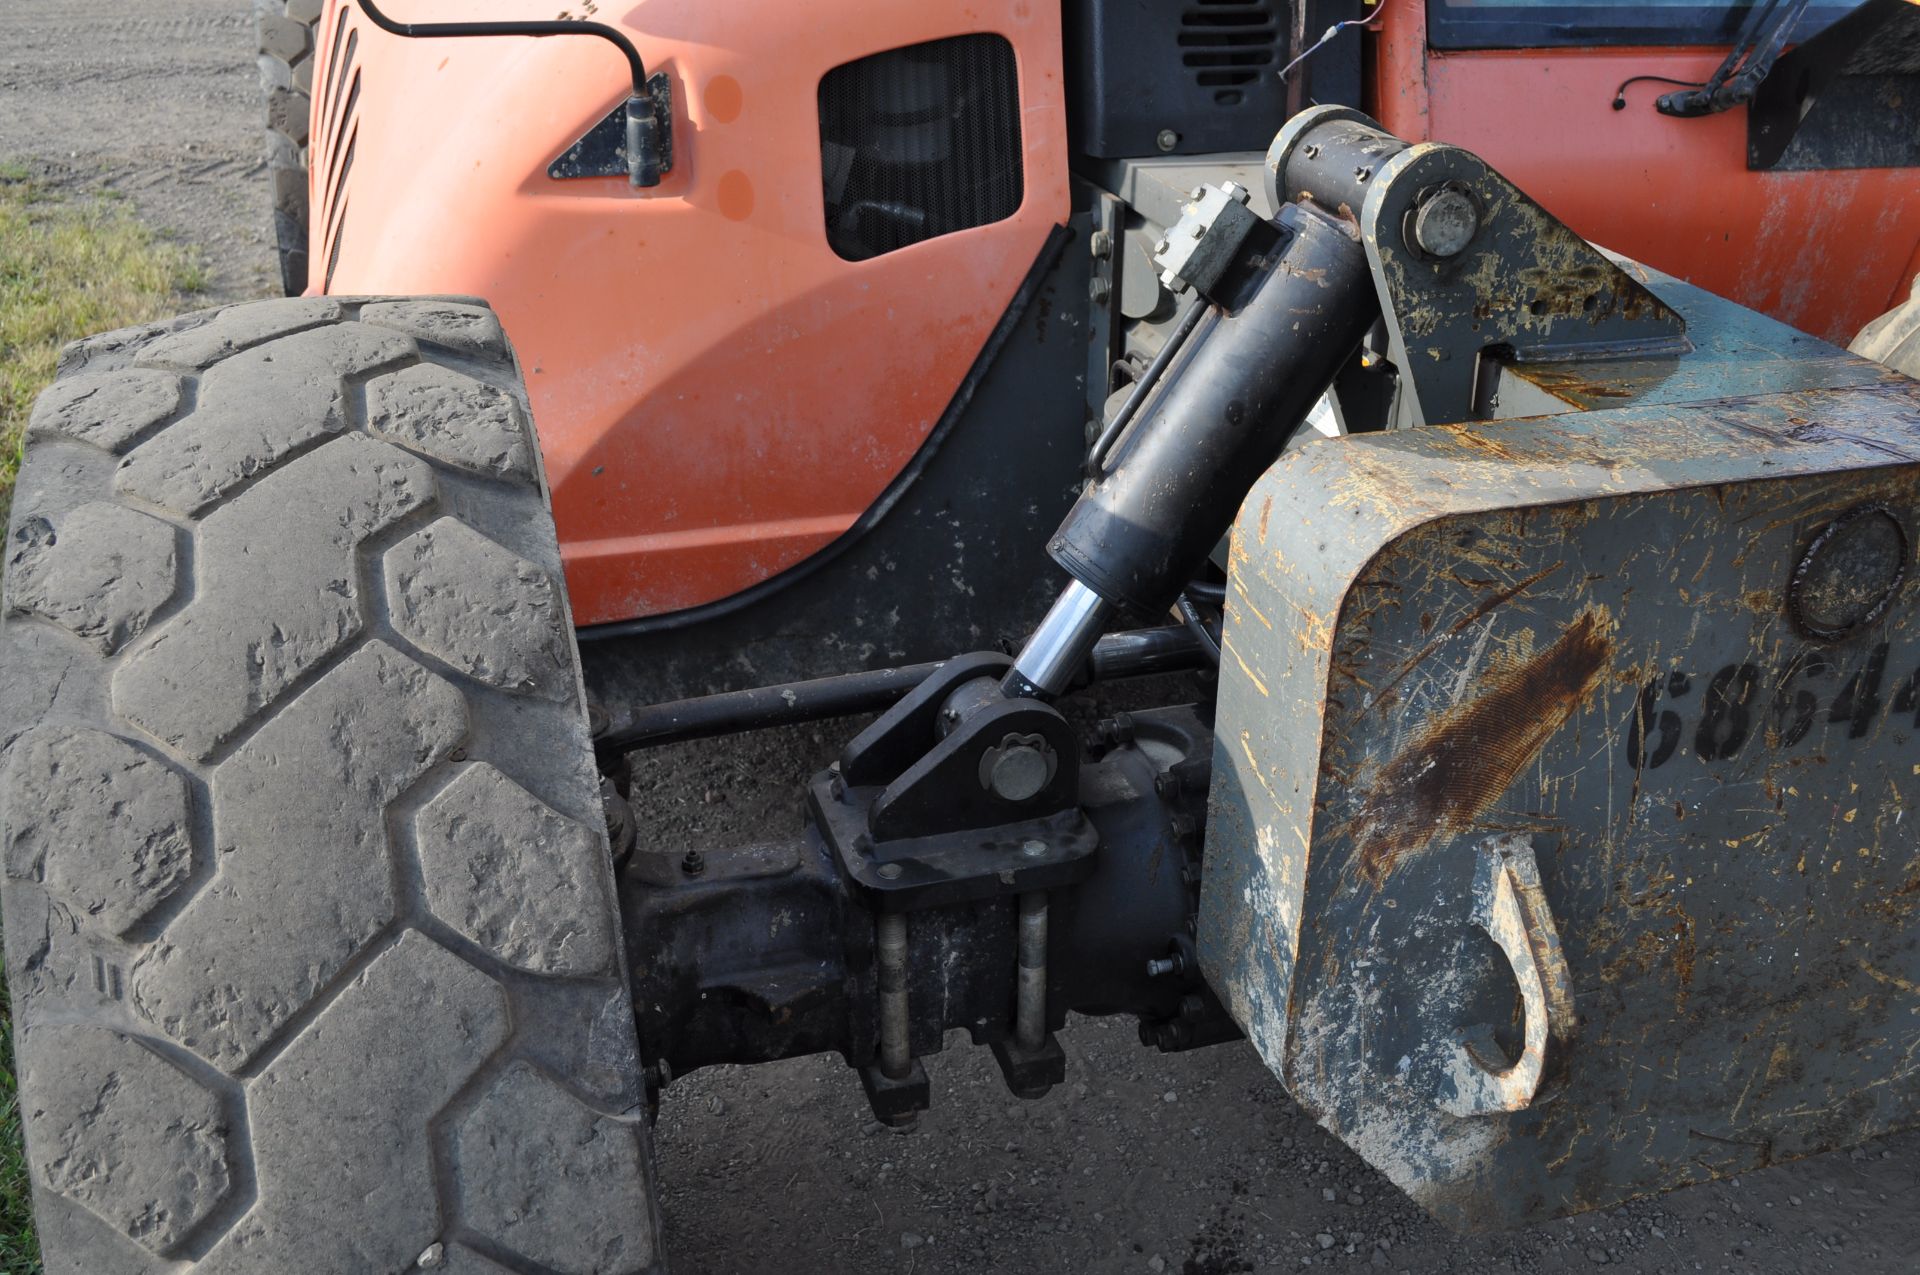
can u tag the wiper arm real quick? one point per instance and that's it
(1762, 35)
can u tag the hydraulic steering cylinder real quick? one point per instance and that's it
(1175, 479)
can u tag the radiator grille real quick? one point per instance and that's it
(1228, 44)
(919, 142)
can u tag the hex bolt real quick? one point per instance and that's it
(1100, 243)
(1160, 247)
(1197, 193)
(889, 871)
(694, 863)
(1099, 291)
(1238, 193)
(1160, 967)
(1444, 222)
(1167, 139)
(1033, 847)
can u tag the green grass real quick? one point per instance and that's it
(19, 1251)
(68, 267)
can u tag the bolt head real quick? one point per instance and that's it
(1033, 848)
(1444, 223)
(1099, 291)
(1197, 193)
(1100, 243)
(1236, 192)
(889, 871)
(1160, 248)
(1167, 140)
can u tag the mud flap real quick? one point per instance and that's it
(1557, 849)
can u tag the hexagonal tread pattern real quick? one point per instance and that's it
(495, 617)
(300, 834)
(540, 1175)
(229, 438)
(102, 824)
(328, 765)
(454, 418)
(100, 573)
(109, 410)
(470, 329)
(123, 1133)
(253, 630)
(515, 876)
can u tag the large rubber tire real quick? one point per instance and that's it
(1894, 337)
(311, 931)
(285, 35)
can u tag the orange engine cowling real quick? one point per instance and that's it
(720, 391)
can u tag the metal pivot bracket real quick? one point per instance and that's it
(930, 806)
(1509, 904)
(1465, 264)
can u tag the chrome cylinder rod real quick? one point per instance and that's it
(1061, 644)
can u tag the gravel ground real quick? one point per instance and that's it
(1191, 1163)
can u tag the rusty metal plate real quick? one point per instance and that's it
(1557, 850)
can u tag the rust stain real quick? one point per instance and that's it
(1468, 756)
(1498, 598)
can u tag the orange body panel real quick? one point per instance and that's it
(718, 394)
(1823, 251)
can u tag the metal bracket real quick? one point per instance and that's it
(1524, 285)
(602, 150)
(1467, 267)
(1510, 905)
(1201, 246)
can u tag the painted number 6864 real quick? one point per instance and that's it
(1742, 701)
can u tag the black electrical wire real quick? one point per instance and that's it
(436, 30)
(1620, 94)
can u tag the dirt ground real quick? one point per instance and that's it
(1193, 1163)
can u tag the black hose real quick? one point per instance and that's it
(1211, 592)
(435, 30)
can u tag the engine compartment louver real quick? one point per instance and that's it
(1227, 45)
(918, 142)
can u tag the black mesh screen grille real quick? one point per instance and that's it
(919, 142)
